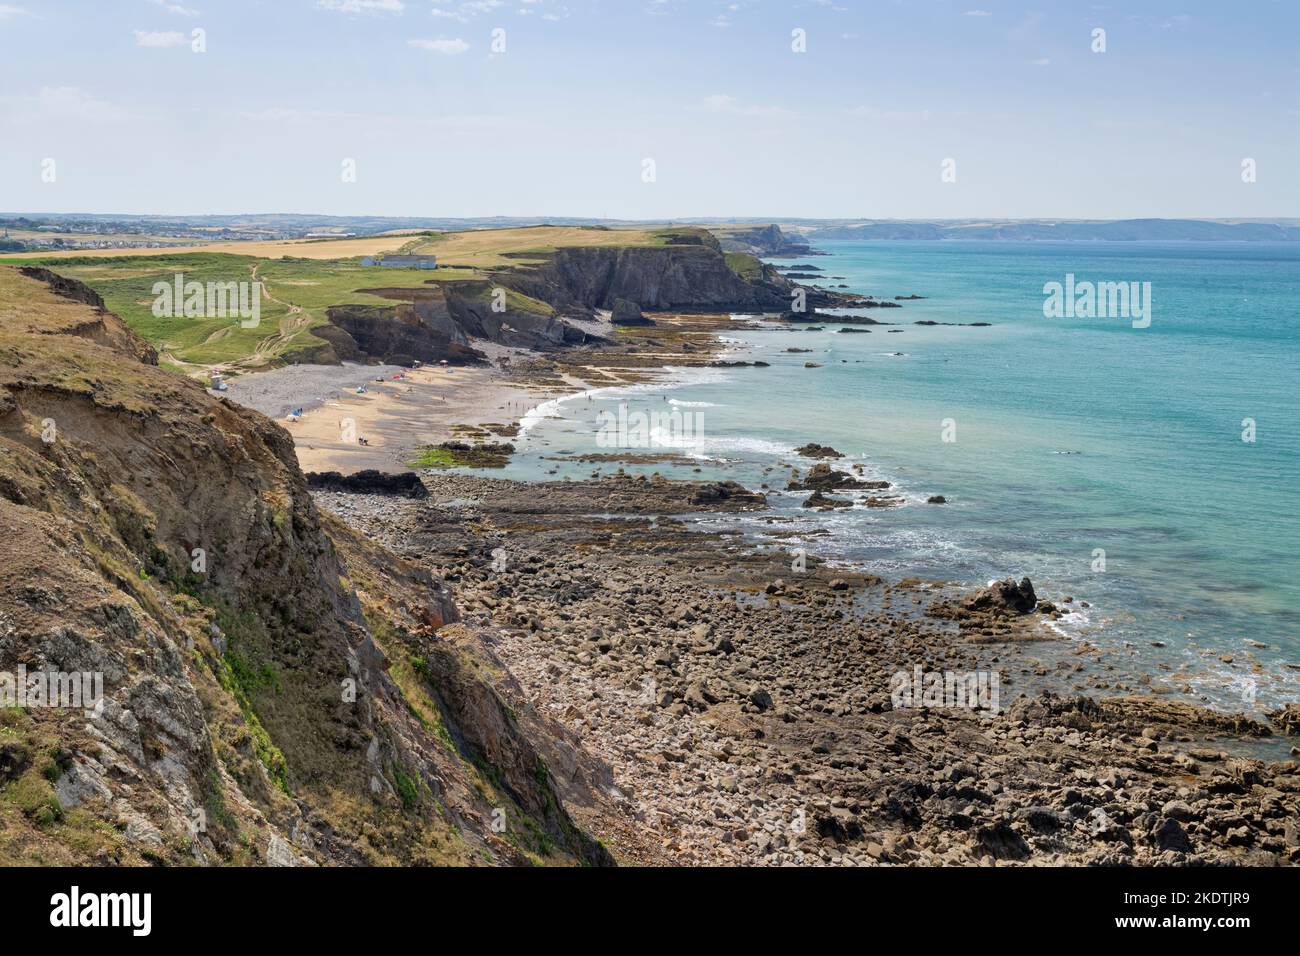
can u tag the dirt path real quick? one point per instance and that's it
(297, 320)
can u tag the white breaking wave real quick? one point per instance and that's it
(739, 444)
(543, 411)
(677, 377)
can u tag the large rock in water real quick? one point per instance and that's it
(1003, 596)
(822, 477)
(627, 312)
(726, 491)
(814, 450)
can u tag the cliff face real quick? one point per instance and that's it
(421, 329)
(470, 303)
(681, 277)
(691, 273)
(766, 241)
(276, 690)
(439, 322)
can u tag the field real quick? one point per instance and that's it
(482, 248)
(299, 248)
(495, 248)
(296, 293)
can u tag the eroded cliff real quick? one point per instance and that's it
(684, 276)
(275, 689)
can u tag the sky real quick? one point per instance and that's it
(651, 109)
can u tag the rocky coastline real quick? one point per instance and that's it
(750, 710)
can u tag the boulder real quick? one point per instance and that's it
(819, 500)
(1002, 842)
(821, 477)
(730, 492)
(627, 312)
(814, 450)
(1170, 835)
(1005, 597)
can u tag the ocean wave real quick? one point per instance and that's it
(739, 443)
(539, 413)
(675, 377)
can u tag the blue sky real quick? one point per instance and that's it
(737, 123)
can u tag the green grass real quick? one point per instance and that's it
(312, 285)
(243, 678)
(126, 285)
(744, 265)
(32, 794)
(511, 248)
(407, 788)
(518, 302)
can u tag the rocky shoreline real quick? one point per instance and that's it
(750, 712)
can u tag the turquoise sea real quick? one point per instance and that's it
(1072, 437)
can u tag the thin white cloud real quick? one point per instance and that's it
(175, 8)
(62, 103)
(977, 13)
(726, 103)
(362, 6)
(9, 12)
(445, 47)
(159, 39)
(464, 10)
(1041, 61)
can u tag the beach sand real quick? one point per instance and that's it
(398, 416)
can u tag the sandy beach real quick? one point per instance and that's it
(403, 410)
(399, 411)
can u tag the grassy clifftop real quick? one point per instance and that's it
(537, 269)
(488, 249)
